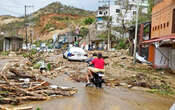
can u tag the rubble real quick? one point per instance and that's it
(120, 71)
(18, 85)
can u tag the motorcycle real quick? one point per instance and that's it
(97, 79)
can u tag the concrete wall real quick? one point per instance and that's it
(172, 59)
(160, 60)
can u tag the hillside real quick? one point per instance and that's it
(53, 17)
(59, 8)
(6, 19)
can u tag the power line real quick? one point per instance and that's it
(26, 21)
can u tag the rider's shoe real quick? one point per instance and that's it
(88, 84)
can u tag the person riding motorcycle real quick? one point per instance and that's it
(98, 66)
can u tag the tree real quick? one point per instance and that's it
(88, 21)
(123, 23)
(83, 31)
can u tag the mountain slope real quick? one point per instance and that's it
(53, 17)
(59, 8)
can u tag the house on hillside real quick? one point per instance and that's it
(116, 11)
(10, 43)
(162, 41)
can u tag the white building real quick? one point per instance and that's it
(120, 11)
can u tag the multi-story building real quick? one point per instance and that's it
(162, 41)
(120, 11)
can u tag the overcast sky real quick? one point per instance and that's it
(16, 7)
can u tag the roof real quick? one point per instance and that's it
(10, 37)
(159, 39)
(13, 37)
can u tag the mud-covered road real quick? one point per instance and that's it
(103, 99)
(108, 98)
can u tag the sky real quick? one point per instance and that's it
(16, 7)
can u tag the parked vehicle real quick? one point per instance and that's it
(75, 53)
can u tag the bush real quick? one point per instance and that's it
(122, 44)
(88, 21)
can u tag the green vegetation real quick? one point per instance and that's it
(61, 18)
(59, 8)
(5, 53)
(163, 89)
(49, 27)
(25, 55)
(122, 44)
(83, 32)
(49, 66)
(12, 28)
(32, 51)
(37, 65)
(38, 108)
(89, 21)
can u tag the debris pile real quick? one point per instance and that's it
(18, 86)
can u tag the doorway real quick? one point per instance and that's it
(173, 24)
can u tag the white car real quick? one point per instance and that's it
(75, 53)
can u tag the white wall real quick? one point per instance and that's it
(172, 59)
(160, 60)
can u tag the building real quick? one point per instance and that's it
(162, 41)
(10, 43)
(120, 11)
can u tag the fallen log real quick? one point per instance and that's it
(8, 101)
(27, 92)
(2, 72)
(23, 108)
(21, 73)
(35, 87)
(17, 89)
(31, 98)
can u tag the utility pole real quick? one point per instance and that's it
(26, 21)
(25, 10)
(108, 22)
(136, 30)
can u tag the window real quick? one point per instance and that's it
(158, 27)
(155, 28)
(134, 12)
(164, 25)
(167, 24)
(161, 26)
(100, 12)
(117, 10)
